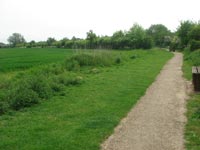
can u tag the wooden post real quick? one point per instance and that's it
(196, 78)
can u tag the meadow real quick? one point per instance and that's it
(23, 58)
(98, 90)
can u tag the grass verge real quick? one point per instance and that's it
(192, 129)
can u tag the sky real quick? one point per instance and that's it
(39, 19)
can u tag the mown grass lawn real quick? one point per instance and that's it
(86, 114)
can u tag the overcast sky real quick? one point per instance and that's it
(39, 19)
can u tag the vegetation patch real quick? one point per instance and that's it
(192, 133)
(98, 58)
(190, 59)
(192, 129)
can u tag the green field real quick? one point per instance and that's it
(83, 115)
(22, 58)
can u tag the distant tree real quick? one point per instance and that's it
(194, 36)
(183, 32)
(15, 39)
(31, 44)
(137, 38)
(2, 45)
(104, 42)
(92, 39)
(50, 41)
(118, 40)
(160, 35)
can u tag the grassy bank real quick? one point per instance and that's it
(192, 129)
(84, 115)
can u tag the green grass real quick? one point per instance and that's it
(192, 129)
(12, 59)
(87, 113)
(190, 59)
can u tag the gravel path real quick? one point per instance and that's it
(157, 120)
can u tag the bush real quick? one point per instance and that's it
(194, 45)
(118, 60)
(22, 96)
(28, 91)
(193, 58)
(40, 85)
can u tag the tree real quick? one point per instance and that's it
(136, 37)
(92, 39)
(160, 35)
(2, 45)
(118, 40)
(15, 39)
(104, 42)
(50, 41)
(183, 32)
(194, 36)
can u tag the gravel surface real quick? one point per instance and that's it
(157, 121)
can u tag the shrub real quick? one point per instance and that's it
(193, 58)
(22, 96)
(28, 91)
(194, 45)
(40, 85)
(118, 60)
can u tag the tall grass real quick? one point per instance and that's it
(96, 58)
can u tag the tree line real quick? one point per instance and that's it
(157, 35)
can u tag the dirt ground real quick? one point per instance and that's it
(157, 121)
